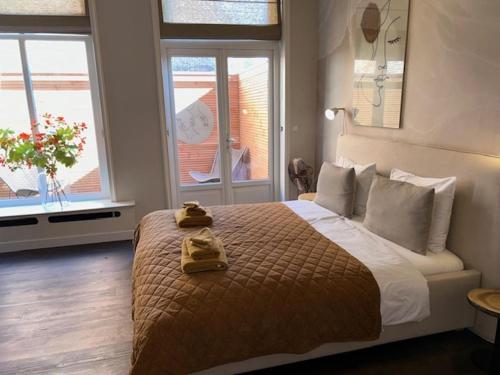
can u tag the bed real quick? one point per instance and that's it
(419, 295)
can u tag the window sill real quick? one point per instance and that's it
(90, 205)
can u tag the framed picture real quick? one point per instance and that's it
(379, 32)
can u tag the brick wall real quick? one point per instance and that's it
(254, 121)
(5, 192)
(47, 81)
(52, 81)
(200, 157)
(90, 183)
(248, 106)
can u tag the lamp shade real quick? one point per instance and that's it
(330, 113)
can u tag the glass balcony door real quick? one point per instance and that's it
(220, 120)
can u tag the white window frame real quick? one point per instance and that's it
(96, 108)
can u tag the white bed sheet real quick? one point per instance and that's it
(430, 264)
(433, 263)
(403, 288)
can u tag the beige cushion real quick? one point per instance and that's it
(364, 178)
(400, 212)
(335, 190)
(444, 189)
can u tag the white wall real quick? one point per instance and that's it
(124, 34)
(300, 48)
(452, 88)
(125, 48)
(451, 96)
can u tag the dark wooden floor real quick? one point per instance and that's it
(67, 311)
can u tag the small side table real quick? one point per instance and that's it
(488, 301)
(307, 196)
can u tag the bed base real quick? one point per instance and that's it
(449, 311)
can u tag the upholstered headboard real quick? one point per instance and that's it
(475, 224)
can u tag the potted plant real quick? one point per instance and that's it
(53, 143)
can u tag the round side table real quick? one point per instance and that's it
(488, 301)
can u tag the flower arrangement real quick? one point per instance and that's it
(52, 143)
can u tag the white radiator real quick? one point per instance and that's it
(23, 228)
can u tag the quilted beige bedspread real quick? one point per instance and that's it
(288, 289)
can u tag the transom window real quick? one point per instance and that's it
(232, 12)
(44, 16)
(43, 7)
(220, 19)
(51, 74)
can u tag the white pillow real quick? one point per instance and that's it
(364, 178)
(443, 202)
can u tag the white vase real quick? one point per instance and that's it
(52, 192)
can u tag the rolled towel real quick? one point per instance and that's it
(184, 220)
(193, 208)
(198, 253)
(204, 238)
(189, 265)
(204, 245)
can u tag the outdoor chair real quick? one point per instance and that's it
(22, 182)
(239, 169)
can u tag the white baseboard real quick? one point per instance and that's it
(11, 246)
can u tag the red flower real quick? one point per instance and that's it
(24, 136)
(39, 136)
(38, 146)
(60, 119)
(48, 122)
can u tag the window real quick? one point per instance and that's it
(248, 90)
(253, 12)
(47, 16)
(51, 74)
(197, 121)
(221, 19)
(43, 7)
(223, 128)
